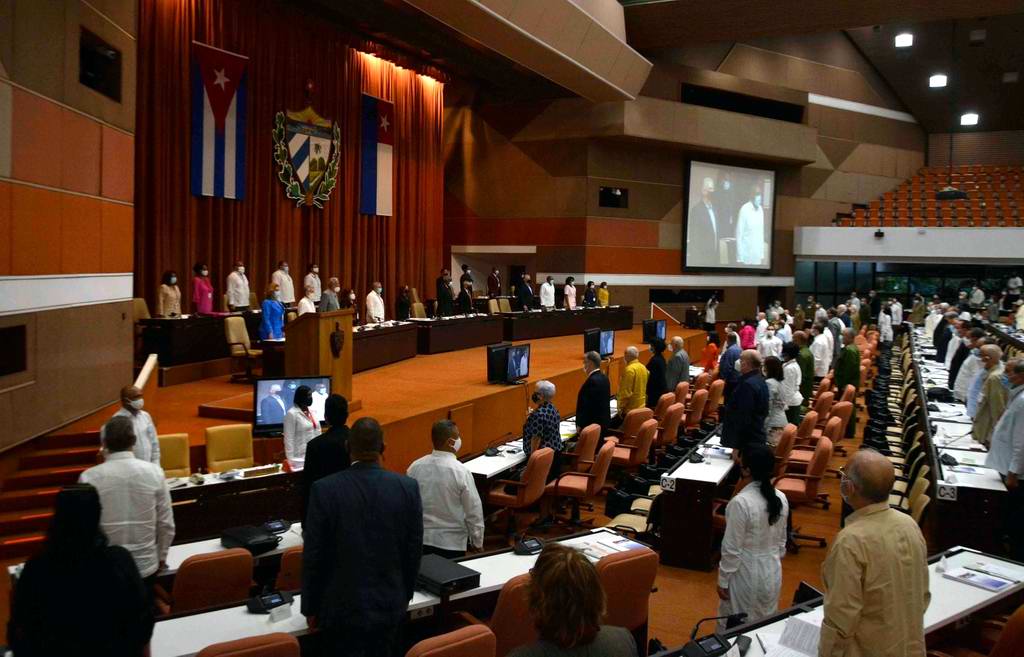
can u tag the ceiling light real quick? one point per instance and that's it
(904, 40)
(937, 80)
(970, 118)
(1011, 77)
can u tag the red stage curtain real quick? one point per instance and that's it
(286, 47)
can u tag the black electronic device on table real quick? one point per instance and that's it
(262, 604)
(591, 340)
(653, 328)
(444, 577)
(528, 545)
(517, 363)
(272, 397)
(496, 355)
(714, 645)
(277, 526)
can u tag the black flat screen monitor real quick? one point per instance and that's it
(496, 354)
(272, 397)
(607, 344)
(517, 363)
(592, 340)
(653, 328)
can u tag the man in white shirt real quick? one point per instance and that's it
(375, 304)
(147, 447)
(750, 230)
(762, 327)
(284, 283)
(453, 517)
(238, 288)
(977, 297)
(820, 314)
(770, 345)
(306, 303)
(312, 280)
(897, 312)
(136, 501)
(821, 349)
(1013, 286)
(547, 293)
(969, 369)
(853, 302)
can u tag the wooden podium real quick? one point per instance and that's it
(321, 343)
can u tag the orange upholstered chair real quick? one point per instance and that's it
(784, 449)
(528, 490)
(822, 406)
(696, 412)
(802, 455)
(289, 575)
(627, 579)
(805, 432)
(803, 488)
(825, 385)
(208, 580)
(277, 644)
(844, 411)
(509, 622)
(583, 485)
(631, 455)
(715, 394)
(702, 382)
(586, 447)
(469, 641)
(664, 402)
(682, 392)
(849, 394)
(668, 431)
(631, 425)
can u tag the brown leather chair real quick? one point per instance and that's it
(784, 449)
(823, 406)
(584, 485)
(664, 402)
(844, 411)
(289, 575)
(586, 447)
(209, 580)
(628, 578)
(697, 404)
(504, 306)
(229, 446)
(417, 310)
(492, 306)
(528, 490)
(802, 455)
(802, 488)
(631, 425)
(241, 349)
(825, 385)
(702, 382)
(715, 394)
(682, 392)
(174, 454)
(469, 641)
(805, 432)
(668, 430)
(277, 644)
(849, 394)
(510, 612)
(631, 455)
(1009, 641)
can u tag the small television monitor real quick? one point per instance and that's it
(607, 342)
(592, 340)
(496, 354)
(517, 363)
(272, 397)
(653, 328)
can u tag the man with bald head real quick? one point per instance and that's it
(989, 394)
(147, 447)
(677, 370)
(876, 574)
(1006, 456)
(632, 386)
(747, 407)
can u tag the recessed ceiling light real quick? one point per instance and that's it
(1011, 77)
(904, 40)
(937, 80)
(970, 118)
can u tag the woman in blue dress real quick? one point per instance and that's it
(272, 322)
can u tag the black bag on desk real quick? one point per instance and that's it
(618, 501)
(634, 485)
(650, 473)
(254, 539)
(940, 394)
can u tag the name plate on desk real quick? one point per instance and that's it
(668, 484)
(262, 471)
(947, 492)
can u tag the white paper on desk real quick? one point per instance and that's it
(799, 637)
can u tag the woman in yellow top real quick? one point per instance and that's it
(168, 297)
(602, 294)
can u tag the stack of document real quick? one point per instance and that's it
(799, 636)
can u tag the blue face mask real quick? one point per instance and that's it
(757, 200)
(976, 352)
(1005, 380)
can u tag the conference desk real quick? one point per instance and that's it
(191, 338)
(374, 345)
(534, 325)
(436, 335)
(184, 636)
(952, 603)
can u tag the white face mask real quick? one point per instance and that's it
(380, 290)
(726, 185)
(205, 272)
(173, 280)
(285, 269)
(337, 289)
(137, 404)
(458, 444)
(757, 200)
(352, 296)
(316, 270)
(241, 270)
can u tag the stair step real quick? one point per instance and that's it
(24, 521)
(43, 477)
(17, 500)
(53, 458)
(21, 546)
(66, 440)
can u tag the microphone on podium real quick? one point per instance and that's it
(712, 645)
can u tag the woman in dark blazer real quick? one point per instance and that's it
(656, 384)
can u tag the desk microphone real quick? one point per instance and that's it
(492, 447)
(732, 620)
(712, 645)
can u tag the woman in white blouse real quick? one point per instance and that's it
(776, 420)
(300, 427)
(570, 293)
(792, 377)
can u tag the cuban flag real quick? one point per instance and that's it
(378, 146)
(218, 122)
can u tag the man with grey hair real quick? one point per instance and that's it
(593, 400)
(705, 227)
(747, 408)
(942, 335)
(990, 394)
(677, 370)
(542, 424)
(876, 574)
(632, 386)
(1006, 456)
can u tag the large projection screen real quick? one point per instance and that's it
(729, 215)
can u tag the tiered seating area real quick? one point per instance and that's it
(995, 197)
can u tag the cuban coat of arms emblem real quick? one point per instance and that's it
(306, 148)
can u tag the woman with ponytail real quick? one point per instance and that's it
(750, 571)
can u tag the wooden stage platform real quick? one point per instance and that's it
(409, 396)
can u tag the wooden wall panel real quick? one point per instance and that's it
(35, 231)
(36, 145)
(118, 231)
(80, 153)
(117, 178)
(6, 222)
(80, 235)
(1004, 148)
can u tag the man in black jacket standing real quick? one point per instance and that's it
(443, 292)
(363, 539)
(594, 399)
(328, 452)
(747, 408)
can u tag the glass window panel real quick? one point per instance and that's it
(804, 275)
(826, 277)
(865, 277)
(827, 300)
(844, 277)
(892, 284)
(925, 285)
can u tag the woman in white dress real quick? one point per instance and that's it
(750, 571)
(300, 427)
(885, 325)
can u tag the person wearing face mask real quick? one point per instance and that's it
(300, 427)
(988, 393)
(750, 230)
(375, 304)
(403, 305)
(464, 302)
(656, 382)
(705, 228)
(453, 517)
(677, 369)
(147, 447)
(328, 452)
(284, 283)
(547, 293)
(746, 409)
(1006, 456)
(312, 280)
(272, 315)
(443, 294)
(202, 289)
(971, 365)
(569, 294)
(329, 298)
(594, 398)
(524, 292)
(272, 407)
(590, 295)
(307, 303)
(494, 283)
(168, 297)
(238, 289)
(467, 277)
(602, 294)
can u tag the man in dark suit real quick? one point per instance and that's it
(363, 539)
(594, 399)
(747, 408)
(494, 283)
(525, 292)
(703, 229)
(272, 407)
(328, 452)
(443, 292)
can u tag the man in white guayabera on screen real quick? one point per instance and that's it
(750, 230)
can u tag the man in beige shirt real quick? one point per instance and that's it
(876, 575)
